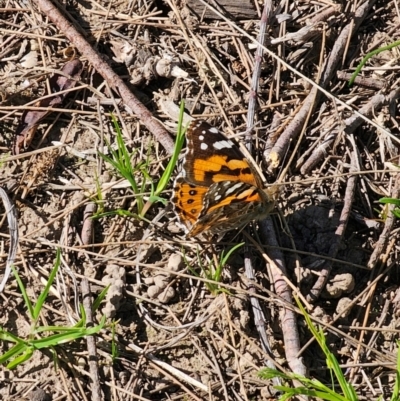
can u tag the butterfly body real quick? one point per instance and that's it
(217, 190)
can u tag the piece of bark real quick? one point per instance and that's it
(236, 9)
(30, 119)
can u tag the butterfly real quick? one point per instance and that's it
(218, 189)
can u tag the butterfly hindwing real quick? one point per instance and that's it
(230, 204)
(188, 200)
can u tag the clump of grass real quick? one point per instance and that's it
(121, 161)
(392, 201)
(44, 337)
(213, 273)
(313, 387)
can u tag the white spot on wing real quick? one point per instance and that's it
(223, 144)
(203, 146)
(217, 197)
(233, 188)
(213, 130)
(201, 137)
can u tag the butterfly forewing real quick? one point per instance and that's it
(217, 190)
(211, 157)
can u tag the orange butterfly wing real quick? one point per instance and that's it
(188, 200)
(217, 190)
(212, 157)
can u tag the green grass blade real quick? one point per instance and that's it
(6, 336)
(320, 395)
(21, 286)
(331, 360)
(100, 298)
(395, 393)
(310, 386)
(118, 212)
(60, 329)
(27, 354)
(109, 160)
(368, 56)
(268, 374)
(391, 201)
(13, 352)
(114, 348)
(66, 336)
(224, 258)
(154, 199)
(45, 292)
(180, 137)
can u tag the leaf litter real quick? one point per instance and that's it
(338, 244)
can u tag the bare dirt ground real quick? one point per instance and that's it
(329, 236)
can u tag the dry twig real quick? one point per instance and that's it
(378, 252)
(313, 98)
(340, 231)
(113, 80)
(287, 316)
(91, 344)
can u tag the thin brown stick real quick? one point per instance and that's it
(389, 223)
(350, 125)
(312, 100)
(362, 81)
(87, 227)
(287, 316)
(341, 229)
(265, 17)
(257, 310)
(91, 344)
(113, 80)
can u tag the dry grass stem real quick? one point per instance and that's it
(88, 177)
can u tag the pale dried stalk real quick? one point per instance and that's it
(13, 229)
(389, 223)
(175, 372)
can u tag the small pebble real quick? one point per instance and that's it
(175, 262)
(39, 395)
(124, 377)
(166, 295)
(161, 281)
(341, 283)
(153, 291)
(342, 308)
